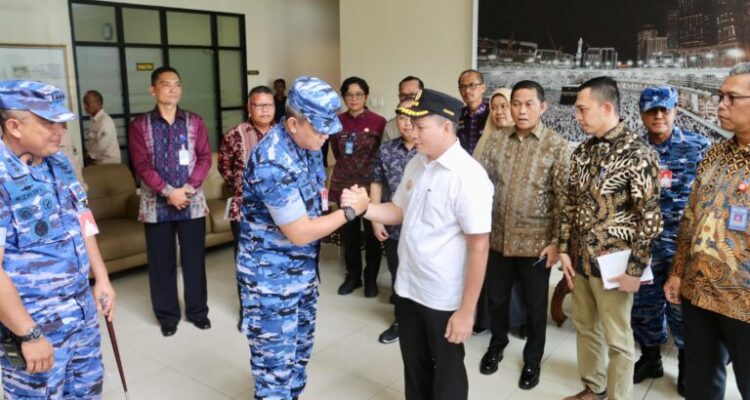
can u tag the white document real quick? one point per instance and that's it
(615, 264)
(227, 208)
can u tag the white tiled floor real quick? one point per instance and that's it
(347, 364)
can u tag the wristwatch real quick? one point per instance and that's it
(35, 332)
(349, 213)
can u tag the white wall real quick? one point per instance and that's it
(383, 41)
(42, 22)
(285, 38)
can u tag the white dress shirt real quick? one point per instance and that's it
(442, 201)
(101, 140)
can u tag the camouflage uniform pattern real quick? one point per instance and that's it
(46, 258)
(278, 279)
(651, 313)
(39, 98)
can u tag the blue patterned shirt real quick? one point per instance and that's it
(282, 183)
(44, 251)
(679, 157)
(389, 167)
(471, 126)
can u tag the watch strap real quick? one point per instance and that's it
(34, 333)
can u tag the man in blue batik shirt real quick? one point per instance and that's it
(392, 157)
(680, 152)
(284, 197)
(47, 248)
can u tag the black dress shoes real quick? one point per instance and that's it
(529, 377)
(201, 323)
(348, 286)
(168, 329)
(489, 362)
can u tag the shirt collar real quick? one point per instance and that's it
(612, 135)
(17, 168)
(255, 128)
(537, 132)
(676, 137)
(156, 115)
(450, 158)
(361, 115)
(99, 115)
(736, 146)
(479, 111)
(402, 144)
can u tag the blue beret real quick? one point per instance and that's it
(317, 101)
(658, 96)
(39, 98)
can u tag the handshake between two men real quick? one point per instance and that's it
(355, 197)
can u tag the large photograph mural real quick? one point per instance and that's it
(688, 44)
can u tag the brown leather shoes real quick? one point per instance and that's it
(587, 394)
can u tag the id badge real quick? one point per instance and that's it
(738, 218)
(665, 178)
(324, 199)
(349, 147)
(88, 225)
(184, 156)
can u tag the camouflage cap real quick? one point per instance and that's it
(658, 96)
(44, 100)
(317, 101)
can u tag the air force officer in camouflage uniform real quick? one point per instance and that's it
(47, 245)
(284, 196)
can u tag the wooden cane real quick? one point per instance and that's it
(115, 348)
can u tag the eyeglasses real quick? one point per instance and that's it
(357, 95)
(727, 99)
(471, 86)
(263, 106)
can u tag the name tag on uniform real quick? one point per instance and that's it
(665, 178)
(738, 218)
(349, 146)
(324, 199)
(88, 225)
(184, 157)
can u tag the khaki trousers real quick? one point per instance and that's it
(602, 320)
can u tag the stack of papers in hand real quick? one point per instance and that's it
(615, 264)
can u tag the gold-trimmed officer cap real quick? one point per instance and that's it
(429, 102)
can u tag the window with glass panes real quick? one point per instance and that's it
(117, 46)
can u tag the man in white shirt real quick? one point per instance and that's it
(444, 203)
(101, 139)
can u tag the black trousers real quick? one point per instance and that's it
(711, 340)
(162, 268)
(534, 281)
(391, 258)
(517, 310)
(352, 240)
(433, 368)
